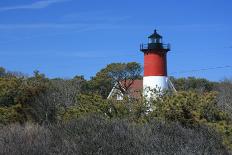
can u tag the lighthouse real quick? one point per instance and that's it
(155, 64)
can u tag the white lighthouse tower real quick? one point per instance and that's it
(155, 64)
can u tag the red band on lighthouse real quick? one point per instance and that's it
(155, 64)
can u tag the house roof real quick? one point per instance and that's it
(137, 84)
(135, 88)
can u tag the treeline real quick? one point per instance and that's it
(39, 115)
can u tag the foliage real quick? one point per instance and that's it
(86, 104)
(189, 108)
(11, 114)
(97, 135)
(25, 139)
(75, 116)
(132, 109)
(224, 98)
(225, 130)
(2, 71)
(192, 109)
(124, 75)
(9, 91)
(21, 91)
(114, 73)
(193, 84)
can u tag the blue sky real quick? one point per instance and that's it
(64, 38)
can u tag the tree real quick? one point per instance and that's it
(2, 72)
(225, 96)
(121, 75)
(25, 92)
(191, 83)
(44, 107)
(67, 90)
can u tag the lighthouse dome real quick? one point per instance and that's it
(155, 35)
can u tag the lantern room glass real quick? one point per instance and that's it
(155, 40)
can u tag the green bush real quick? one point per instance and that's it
(188, 108)
(192, 109)
(86, 104)
(11, 114)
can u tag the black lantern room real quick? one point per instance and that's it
(155, 43)
(155, 38)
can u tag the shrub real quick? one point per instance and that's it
(86, 104)
(191, 110)
(188, 108)
(11, 114)
(27, 139)
(97, 135)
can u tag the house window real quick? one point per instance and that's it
(119, 97)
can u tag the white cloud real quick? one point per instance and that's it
(36, 5)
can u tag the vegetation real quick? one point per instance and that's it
(98, 135)
(122, 74)
(39, 115)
